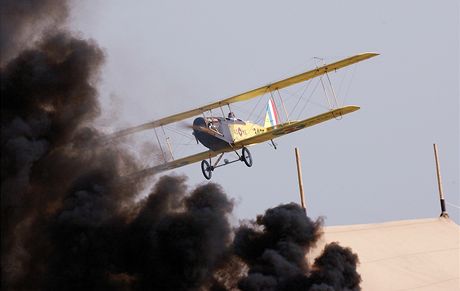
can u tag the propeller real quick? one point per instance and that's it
(204, 129)
(184, 125)
(195, 128)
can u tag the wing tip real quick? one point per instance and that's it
(355, 107)
(369, 54)
(349, 108)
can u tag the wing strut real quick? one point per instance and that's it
(333, 91)
(168, 143)
(332, 101)
(221, 110)
(159, 144)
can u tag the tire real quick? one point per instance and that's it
(246, 157)
(206, 169)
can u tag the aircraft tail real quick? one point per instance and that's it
(271, 117)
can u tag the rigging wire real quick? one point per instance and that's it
(355, 68)
(259, 116)
(258, 102)
(177, 131)
(309, 98)
(325, 93)
(241, 109)
(282, 103)
(261, 111)
(301, 95)
(342, 80)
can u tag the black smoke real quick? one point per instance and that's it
(24, 20)
(275, 246)
(49, 175)
(71, 220)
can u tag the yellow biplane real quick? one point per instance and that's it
(228, 134)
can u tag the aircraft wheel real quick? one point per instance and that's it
(246, 157)
(207, 169)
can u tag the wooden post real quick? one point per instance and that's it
(438, 174)
(299, 176)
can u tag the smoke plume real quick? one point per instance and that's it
(72, 221)
(274, 247)
(24, 20)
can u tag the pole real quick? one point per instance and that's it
(299, 176)
(438, 174)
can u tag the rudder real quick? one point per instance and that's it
(271, 117)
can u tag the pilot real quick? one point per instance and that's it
(231, 116)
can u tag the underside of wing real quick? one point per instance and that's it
(182, 162)
(248, 95)
(289, 127)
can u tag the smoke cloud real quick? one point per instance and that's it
(275, 245)
(24, 20)
(72, 221)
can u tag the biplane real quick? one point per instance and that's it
(226, 133)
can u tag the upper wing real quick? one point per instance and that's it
(250, 94)
(294, 126)
(182, 162)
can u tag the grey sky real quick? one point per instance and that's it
(375, 165)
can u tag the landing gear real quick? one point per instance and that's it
(246, 157)
(207, 168)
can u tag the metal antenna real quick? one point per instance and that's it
(438, 174)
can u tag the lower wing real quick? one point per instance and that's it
(289, 127)
(181, 162)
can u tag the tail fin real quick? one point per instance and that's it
(271, 118)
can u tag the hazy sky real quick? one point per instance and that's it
(375, 165)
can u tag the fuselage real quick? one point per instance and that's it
(217, 133)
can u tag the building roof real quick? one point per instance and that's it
(420, 254)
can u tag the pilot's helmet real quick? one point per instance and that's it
(231, 115)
